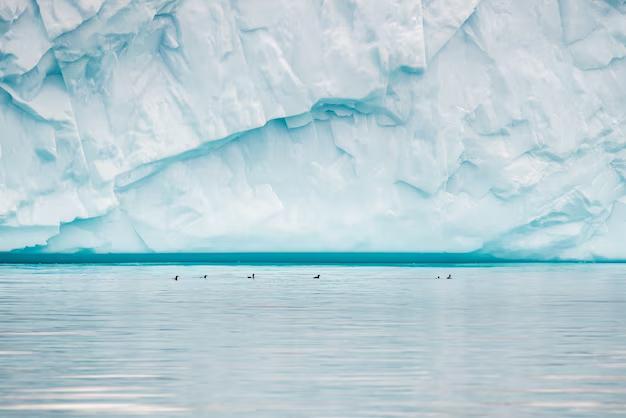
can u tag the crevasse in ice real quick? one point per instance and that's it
(495, 126)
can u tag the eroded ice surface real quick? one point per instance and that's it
(432, 125)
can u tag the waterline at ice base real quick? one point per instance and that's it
(432, 126)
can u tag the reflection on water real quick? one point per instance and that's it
(540, 340)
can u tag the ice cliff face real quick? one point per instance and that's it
(242, 125)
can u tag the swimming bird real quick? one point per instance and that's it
(438, 277)
(175, 278)
(251, 277)
(449, 276)
(316, 277)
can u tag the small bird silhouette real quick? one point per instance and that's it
(449, 276)
(316, 277)
(175, 278)
(251, 277)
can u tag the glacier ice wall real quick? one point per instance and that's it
(495, 126)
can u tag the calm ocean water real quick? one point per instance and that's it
(500, 341)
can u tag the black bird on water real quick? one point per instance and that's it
(251, 277)
(175, 278)
(449, 276)
(317, 277)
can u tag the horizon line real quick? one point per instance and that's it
(275, 257)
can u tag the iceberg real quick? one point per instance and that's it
(460, 126)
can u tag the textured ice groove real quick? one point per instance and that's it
(431, 126)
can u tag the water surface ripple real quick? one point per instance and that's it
(125, 340)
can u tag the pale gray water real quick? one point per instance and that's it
(508, 341)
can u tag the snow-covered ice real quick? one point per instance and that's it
(496, 126)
